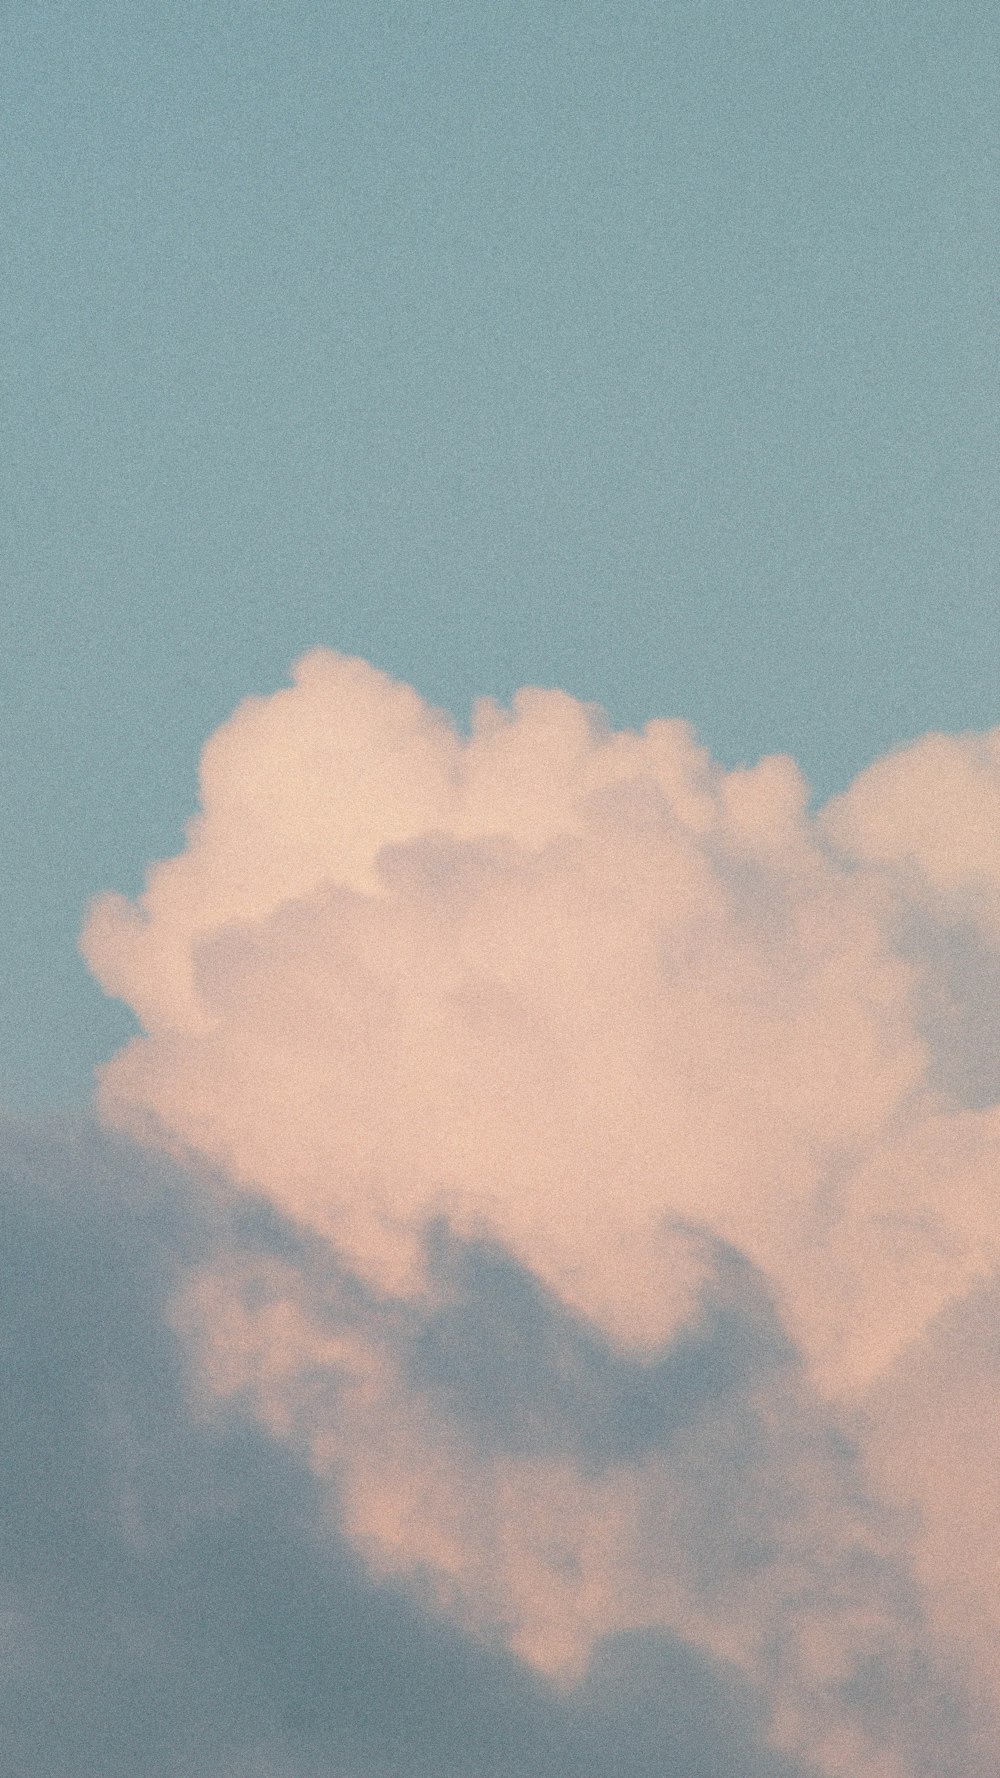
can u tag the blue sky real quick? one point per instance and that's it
(646, 350)
(560, 1338)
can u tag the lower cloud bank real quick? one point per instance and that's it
(261, 1518)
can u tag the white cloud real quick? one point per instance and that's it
(581, 992)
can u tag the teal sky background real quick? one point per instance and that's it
(644, 349)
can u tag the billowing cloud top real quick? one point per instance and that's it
(632, 1021)
(573, 986)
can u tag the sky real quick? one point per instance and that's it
(499, 1108)
(641, 350)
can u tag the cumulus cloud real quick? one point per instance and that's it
(682, 1056)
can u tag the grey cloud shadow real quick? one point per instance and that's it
(173, 1599)
(958, 1004)
(533, 1377)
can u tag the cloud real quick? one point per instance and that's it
(176, 1600)
(679, 1076)
(934, 1444)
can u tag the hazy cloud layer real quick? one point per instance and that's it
(176, 1599)
(641, 1135)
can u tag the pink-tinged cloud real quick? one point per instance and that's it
(581, 993)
